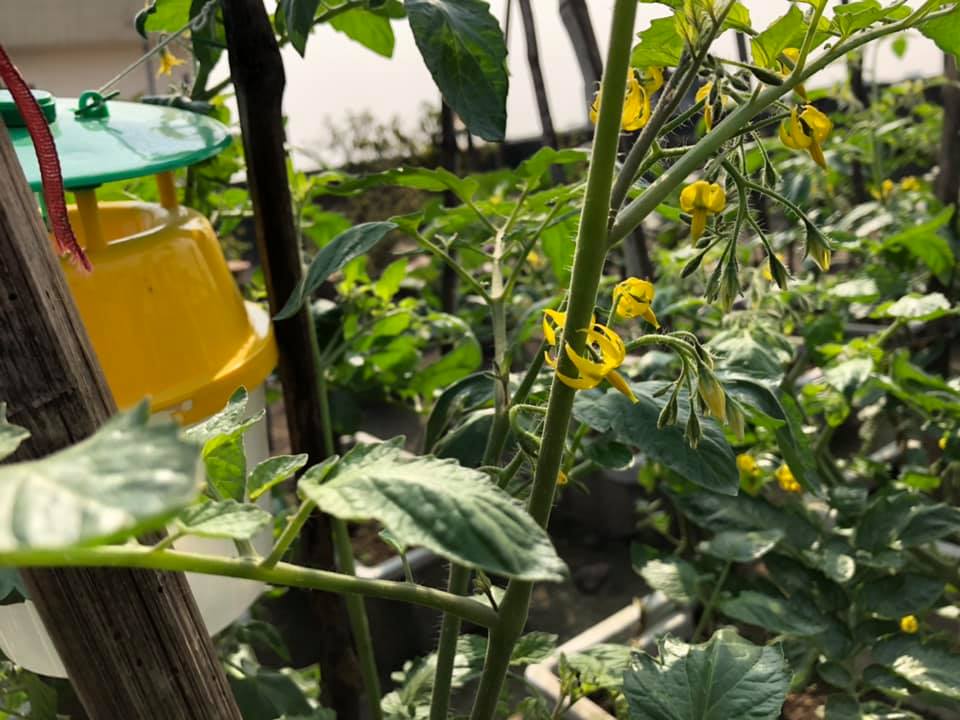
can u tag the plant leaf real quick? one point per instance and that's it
(674, 577)
(777, 615)
(930, 666)
(273, 471)
(898, 595)
(370, 29)
(224, 519)
(342, 249)
(724, 678)
(298, 21)
(463, 47)
(127, 478)
(711, 464)
(438, 504)
(741, 547)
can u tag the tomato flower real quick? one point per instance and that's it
(747, 464)
(910, 184)
(786, 480)
(806, 130)
(636, 105)
(168, 61)
(700, 199)
(602, 342)
(702, 94)
(632, 298)
(909, 624)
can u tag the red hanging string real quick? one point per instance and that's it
(50, 173)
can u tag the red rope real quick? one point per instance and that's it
(50, 173)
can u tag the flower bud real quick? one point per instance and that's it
(712, 394)
(729, 289)
(692, 432)
(668, 416)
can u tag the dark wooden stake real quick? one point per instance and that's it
(536, 74)
(132, 641)
(576, 19)
(258, 77)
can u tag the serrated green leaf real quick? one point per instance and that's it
(127, 478)
(10, 435)
(739, 546)
(463, 47)
(533, 647)
(711, 464)
(930, 666)
(346, 246)
(786, 31)
(780, 616)
(438, 504)
(273, 471)
(660, 45)
(724, 678)
(224, 519)
(231, 420)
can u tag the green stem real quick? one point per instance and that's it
(137, 556)
(711, 602)
(289, 534)
(356, 609)
(457, 584)
(585, 279)
(359, 624)
(637, 210)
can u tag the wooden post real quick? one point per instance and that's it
(258, 77)
(133, 641)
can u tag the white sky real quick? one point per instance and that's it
(338, 74)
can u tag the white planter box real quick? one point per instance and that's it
(659, 617)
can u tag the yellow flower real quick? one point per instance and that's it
(652, 79)
(168, 61)
(702, 94)
(747, 464)
(806, 130)
(632, 299)
(700, 199)
(636, 106)
(910, 184)
(909, 624)
(767, 272)
(712, 394)
(602, 342)
(562, 478)
(886, 190)
(792, 54)
(786, 480)
(942, 442)
(535, 260)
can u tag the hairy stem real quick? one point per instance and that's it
(585, 278)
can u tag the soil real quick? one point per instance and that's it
(368, 548)
(803, 706)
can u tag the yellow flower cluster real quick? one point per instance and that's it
(747, 464)
(168, 61)
(909, 624)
